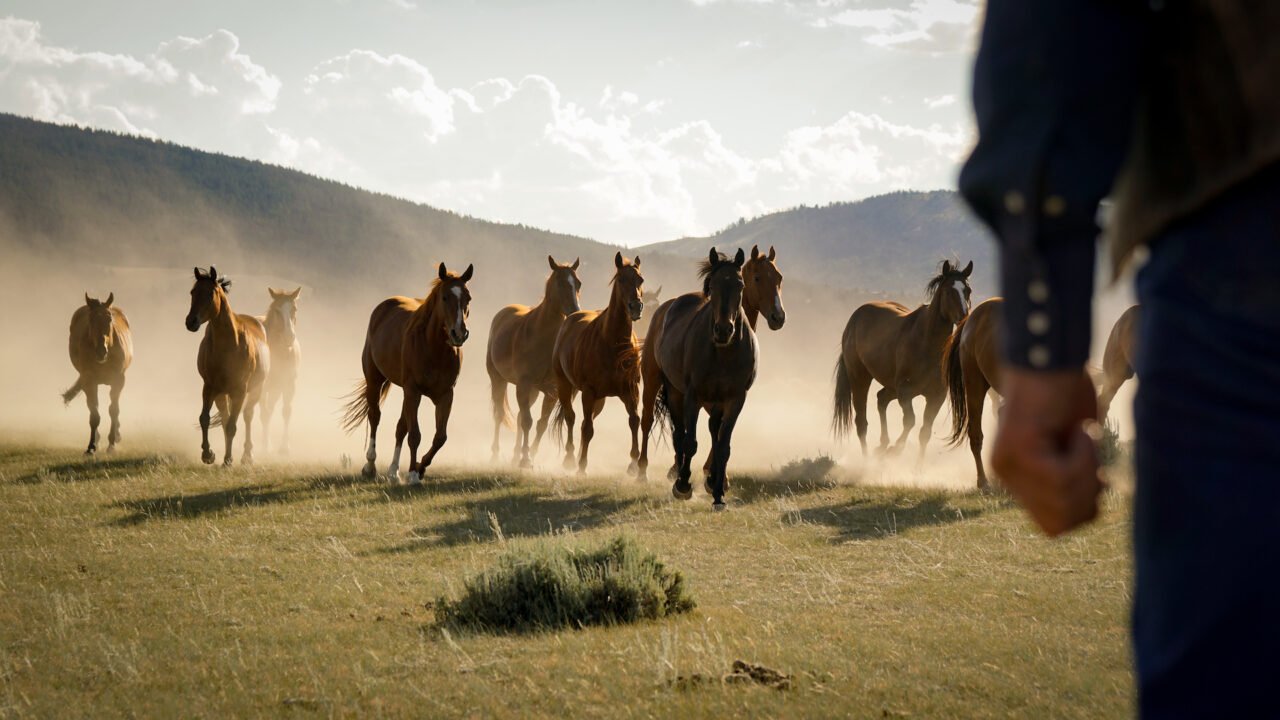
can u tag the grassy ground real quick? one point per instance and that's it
(141, 585)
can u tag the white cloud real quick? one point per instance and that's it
(930, 26)
(940, 101)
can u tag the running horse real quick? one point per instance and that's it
(1118, 358)
(281, 323)
(596, 353)
(707, 359)
(520, 343)
(971, 371)
(902, 350)
(761, 294)
(416, 344)
(101, 349)
(234, 361)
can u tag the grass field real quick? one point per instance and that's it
(141, 585)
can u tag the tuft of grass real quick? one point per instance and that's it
(810, 471)
(549, 586)
(1110, 449)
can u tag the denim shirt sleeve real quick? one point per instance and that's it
(1055, 87)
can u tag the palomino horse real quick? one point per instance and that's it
(762, 293)
(416, 344)
(902, 350)
(596, 353)
(971, 369)
(281, 323)
(520, 343)
(101, 349)
(234, 361)
(1118, 358)
(707, 360)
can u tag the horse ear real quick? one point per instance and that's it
(87, 300)
(111, 297)
(968, 269)
(552, 262)
(296, 293)
(275, 294)
(713, 256)
(213, 273)
(739, 258)
(444, 272)
(946, 266)
(196, 270)
(755, 252)
(617, 260)
(772, 253)
(466, 275)
(575, 263)
(657, 292)
(636, 262)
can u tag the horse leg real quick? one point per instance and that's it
(975, 390)
(630, 401)
(402, 429)
(689, 447)
(908, 421)
(206, 453)
(269, 398)
(497, 400)
(250, 405)
(113, 436)
(675, 407)
(588, 429)
(286, 409)
(443, 407)
(1110, 386)
(860, 383)
(883, 398)
(524, 400)
(91, 399)
(372, 394)
(548, 405)
(721, 447)
(409, 418)
(230, 409)
(566, 406)
(715, 419)
(932, 405)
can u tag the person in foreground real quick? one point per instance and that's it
(1172, 109)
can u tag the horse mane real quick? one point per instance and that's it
(223, 282)
(706, 269)
(944, 275)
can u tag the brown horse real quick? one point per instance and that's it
(281, 323)
(101, 349)
(416, 344)
(651, 301)
(596, 353)
(707, 360)
(762, 293)
(971, 369)
(1118, 358)
(234, 361)
(520, 343)
(902, 350)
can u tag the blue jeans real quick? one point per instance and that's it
(1206, 613)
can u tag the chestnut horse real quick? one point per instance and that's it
(707, 358)
(416, 344)
(520, 343)
(596, 353)
(902, 350)
(234, 361)
(101, 349)
(762, 293)
(1118, 358)
(281, 322)
(971, 370)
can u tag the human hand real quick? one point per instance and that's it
(1042, 453)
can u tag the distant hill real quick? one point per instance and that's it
(882, 246)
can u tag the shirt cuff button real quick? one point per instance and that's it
(1038, 356)
(1014, 203)
(1038, 322)
(1038, 291)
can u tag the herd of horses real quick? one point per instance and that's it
(699, 354)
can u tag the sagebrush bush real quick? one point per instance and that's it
(551, 586)
(815, 470)
(1110, 449)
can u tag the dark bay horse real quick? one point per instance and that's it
(707, 357)
(416, 344)
(761, 294)
(902, 350)
(971, 369)
(1118, 358)
(521, 340)
(234, 361)
(596, 353)
(281, 322)
(101, 349)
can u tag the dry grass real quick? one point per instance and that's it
(143, 585)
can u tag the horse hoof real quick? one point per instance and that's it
(415, 478)
(206, 457)
(673, 472)
(90, 451)
(582, 472)
(111, 449)
(369, 471)
(719, 506)
(682, 492)
(526, 464)
(569, 464)
(226, 462)
(393, 476)
(246, 460)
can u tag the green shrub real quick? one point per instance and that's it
(551, 586)
(1110, 449)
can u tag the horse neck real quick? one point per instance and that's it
(435, 343)
(223, 326)
(275, 328)
(750, 310)
(543, 314)
(935, 323)
(616, 320)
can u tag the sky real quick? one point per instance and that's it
(627, 122)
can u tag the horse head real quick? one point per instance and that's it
(100, 322)
(722, 284)
(950, 291)
(564, 289)
(208, 295)
(627, 285)
(651, 300)
(763, 287)
(454, 304)
(283, 313)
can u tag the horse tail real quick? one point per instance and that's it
(953, 378)
(662, 411)
(73, 391)
(356, 409)
(842, 402)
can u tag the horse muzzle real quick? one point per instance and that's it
(193, 323)
(776, 320)
(636, 310)
(722, 334)
(457, 337)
